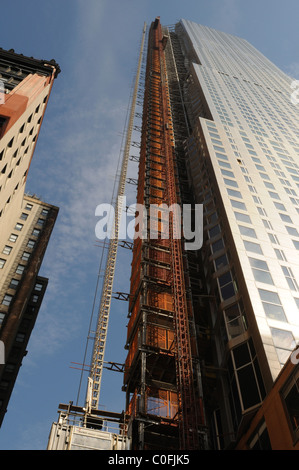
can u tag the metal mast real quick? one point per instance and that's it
(96, 368)
(185, 380)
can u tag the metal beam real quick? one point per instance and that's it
(104, 310)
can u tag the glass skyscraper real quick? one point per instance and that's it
(243, 160)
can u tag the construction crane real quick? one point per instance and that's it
(97, 361)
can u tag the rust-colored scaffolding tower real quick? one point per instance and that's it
(162, 378)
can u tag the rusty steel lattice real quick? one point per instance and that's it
(188, 419)
(159, 341)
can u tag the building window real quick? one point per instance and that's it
(213, 218)
(45, 212)
(242, 217)
(221, 262)
(13, 238)
(262, 211)
(38, 286)
(7, 299)
(31, 243)
(284, 343)
(2, 316)
(4, 385)
(260, 439)
(20, 269)
(296, 244)
(35, 232)
(19, 226)
(273, 238)
(290, 278)
(247, 388)
(14, 283)
(273, 195)
(279, 206)
(227, 286)
(219, 149)
(292, 231)
(280, 254)
(221, 156)
(272, 305)
(227, 173)
(25, 256)
(267, 224)
(213, 232)
(231, 183)
(217, 246)
(247, 231)
(252, 188)
(224, 164)
(285, 218)
(238, 204)
(7, 249)
(24, 216)
(235, 320)
(260, 271)
(269, 185)
(40, 222)
(290, 397)
(233, 193)
(20, 337)
(257, 199)
(253, 247)
(28, 207)
(265, 176)
(2, 263)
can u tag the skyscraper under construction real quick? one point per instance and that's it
(212, 329)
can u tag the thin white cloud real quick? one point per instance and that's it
(75, 169)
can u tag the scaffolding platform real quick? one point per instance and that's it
(78, 430)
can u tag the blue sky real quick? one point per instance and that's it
(96, 43)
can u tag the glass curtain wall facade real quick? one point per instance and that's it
(243, 163)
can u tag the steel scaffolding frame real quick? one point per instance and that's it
(161, 344)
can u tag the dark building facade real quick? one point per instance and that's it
(26, 223)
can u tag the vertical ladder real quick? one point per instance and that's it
(189, 438)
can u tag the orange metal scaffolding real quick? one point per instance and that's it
(159, 377)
